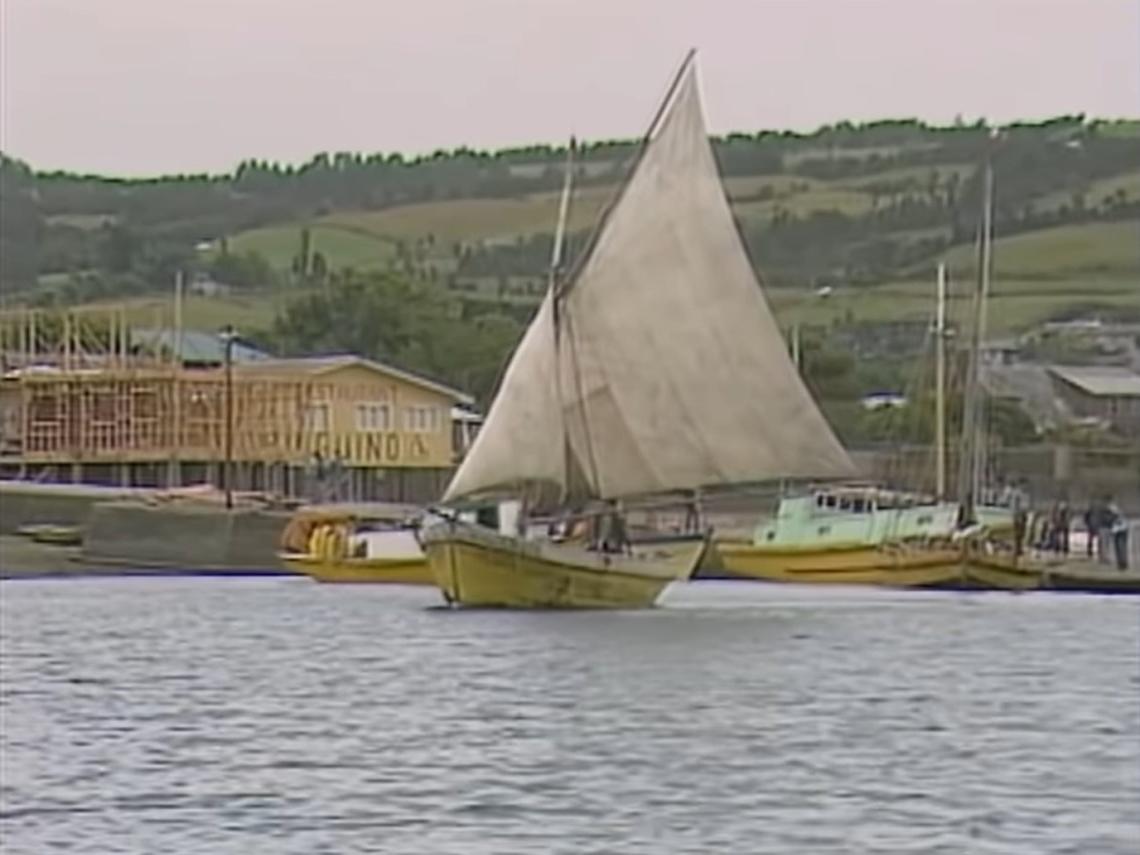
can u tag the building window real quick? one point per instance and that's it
(44, 407)
(422, 420)
(316, 418)
(373, 417)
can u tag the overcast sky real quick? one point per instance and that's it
(144, 86)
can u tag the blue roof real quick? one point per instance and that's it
(196, 346)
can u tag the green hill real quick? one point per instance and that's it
(865, 209)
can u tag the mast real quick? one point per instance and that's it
(969, 464)
(940, 387)
(563, 214)
(604, 217)
(987, 275)
(554, 280)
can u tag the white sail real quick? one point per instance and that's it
(521, 444)
(675, 374)
(663, 368)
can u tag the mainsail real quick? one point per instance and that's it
(660, 358)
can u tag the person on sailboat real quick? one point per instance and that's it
(1020, 522)
(609, 533)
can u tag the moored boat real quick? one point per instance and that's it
(355, 544)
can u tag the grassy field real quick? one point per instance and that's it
(1009, 310)
(1075, 253)
(1015, 305)
(81, 221)
(1037, 275)
(366, 239)
(919, 176)
(341, 247)
(254, 312)
(820, 198)
(1096, 194)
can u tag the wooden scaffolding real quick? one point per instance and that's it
(78, 390)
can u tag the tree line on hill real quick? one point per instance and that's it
(106, 236)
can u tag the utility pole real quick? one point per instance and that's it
(940, 388)
(228, 337)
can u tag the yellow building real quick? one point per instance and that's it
(391, 433)
(337, 427)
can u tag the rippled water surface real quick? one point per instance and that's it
(280, 716)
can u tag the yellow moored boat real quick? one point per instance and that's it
(890, 564)
(653, 370)
(355, 544)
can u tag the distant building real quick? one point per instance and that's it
(208, 288)
(1110, 394)
(1004, 351)
(193, 348)
(141, 408)
(883, 401)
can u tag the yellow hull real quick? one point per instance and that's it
(892, 566)
(482, 570)
(1003, 573)
(414, 571)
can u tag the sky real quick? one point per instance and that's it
(138, 87)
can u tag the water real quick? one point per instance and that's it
(280, 716)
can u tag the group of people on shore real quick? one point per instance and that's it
(1105, 525)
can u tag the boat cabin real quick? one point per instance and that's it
(856, 514)
(865, 500)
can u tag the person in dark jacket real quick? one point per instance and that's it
(1118, 529)
(1064, 523)
(1092, 518)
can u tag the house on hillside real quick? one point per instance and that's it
(1004, 351)
(1030, 387)
(883, 401)
(1108, 393)
(207, 286)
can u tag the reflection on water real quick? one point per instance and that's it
(279, 716)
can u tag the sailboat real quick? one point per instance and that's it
(857, 533)
(981, 567)
(864, 535)
(653, 369)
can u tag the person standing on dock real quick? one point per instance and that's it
(1104, 539)
(1064, 523)
(1119, 531)
(1092, 519)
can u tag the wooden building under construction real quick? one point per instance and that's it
(87, 397)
